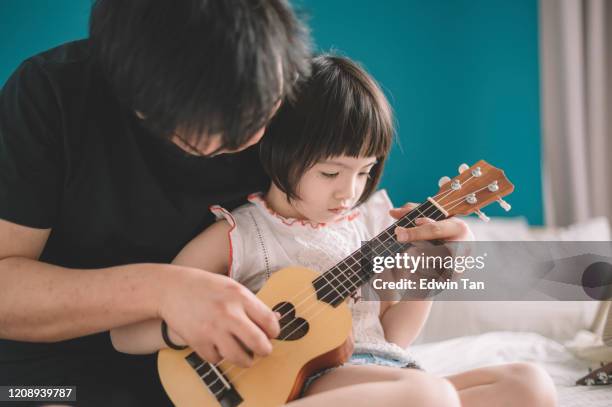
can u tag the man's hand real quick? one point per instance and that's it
(218, 317)
(452, 229)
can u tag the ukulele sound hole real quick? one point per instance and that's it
(292, 327)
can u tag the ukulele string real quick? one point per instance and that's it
(460, 199)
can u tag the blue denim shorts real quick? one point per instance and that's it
(362, 359)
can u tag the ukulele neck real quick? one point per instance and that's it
(342, 281)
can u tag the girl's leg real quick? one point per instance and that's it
(368, 385)
(514, 384)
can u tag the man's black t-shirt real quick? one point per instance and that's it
(74, 160)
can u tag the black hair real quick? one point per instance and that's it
(203, 67)
(339, 110)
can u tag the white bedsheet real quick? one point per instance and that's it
(456, 355)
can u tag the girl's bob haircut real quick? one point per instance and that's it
(339, 110)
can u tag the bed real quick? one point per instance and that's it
(550, 333)
(501, 347)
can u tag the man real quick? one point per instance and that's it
(111, 151)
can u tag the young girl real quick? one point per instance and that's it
(325, 153)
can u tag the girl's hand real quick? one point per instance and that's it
(452, 229)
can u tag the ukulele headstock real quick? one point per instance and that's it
(600, 376)
(474, 188)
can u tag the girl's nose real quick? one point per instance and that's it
(347, 191)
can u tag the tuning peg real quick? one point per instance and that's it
(602, 377)
(505, 205)
(471, 199)
(482, 216)
(463, 167)
(493, 187)
(443, 181)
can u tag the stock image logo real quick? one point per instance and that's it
(590, 271)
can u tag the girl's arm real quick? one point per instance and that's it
(208, 251)
(402, 321)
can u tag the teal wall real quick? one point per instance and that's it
(30, 26)
(462, 76)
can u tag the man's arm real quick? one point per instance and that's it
(209, 251)
(45, 303)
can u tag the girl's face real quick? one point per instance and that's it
(332, 187)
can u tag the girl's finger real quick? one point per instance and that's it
(442, 230)
(422, 221)
(399, 212)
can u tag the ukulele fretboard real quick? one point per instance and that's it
(343, 280)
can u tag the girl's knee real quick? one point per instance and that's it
(428, 390)
(446, 391)
(532, 383)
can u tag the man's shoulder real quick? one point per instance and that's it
(75, 54)
(66, 67)
(68, 53)
(69, 60)
(65, 84)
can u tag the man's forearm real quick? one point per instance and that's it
(40, 302)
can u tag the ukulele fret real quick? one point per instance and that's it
(216, 382)
(327, 291)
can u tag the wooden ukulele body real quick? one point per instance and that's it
(277, 378)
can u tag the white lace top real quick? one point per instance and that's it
(263, 242)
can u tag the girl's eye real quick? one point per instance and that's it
(329, 174)
(364, 174)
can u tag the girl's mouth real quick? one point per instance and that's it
(338, 210)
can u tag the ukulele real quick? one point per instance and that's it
(602, 375)
(315, 319)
